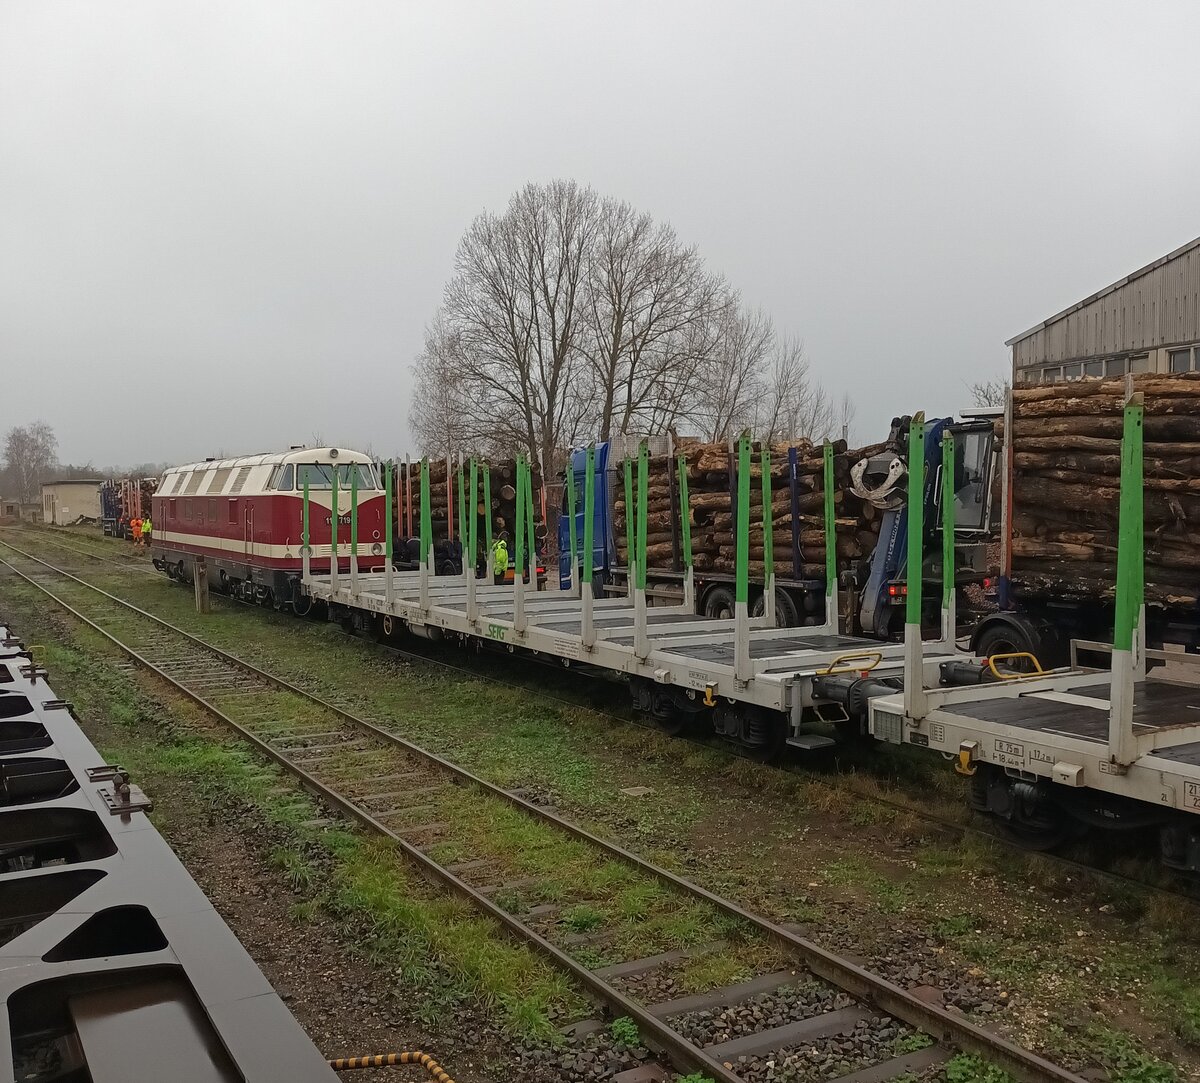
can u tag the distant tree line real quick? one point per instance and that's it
(571, 316)
(31, 458)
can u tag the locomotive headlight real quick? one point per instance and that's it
(376, 549)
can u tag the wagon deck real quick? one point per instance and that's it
(682, 649)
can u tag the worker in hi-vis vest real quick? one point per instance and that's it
(146, 528)
(500, 559)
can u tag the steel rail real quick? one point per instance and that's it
(680, 1051)
(1068, 864)
(890, 998)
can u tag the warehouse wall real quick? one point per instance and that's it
(1130, 326)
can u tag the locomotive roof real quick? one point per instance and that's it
(293, 455)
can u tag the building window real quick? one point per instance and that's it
(1072, 371)
(1180, 360)
(1093, 368)
(1140, 363)
(1051, 376)
(1115, 366)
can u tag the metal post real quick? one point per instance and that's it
(472, 539)
(949, 594)
(542, 486)
(572, 527)
(741, 606)
(462, 514)
(685, 530)
(487, 520)
(794, 494)
(449, 500)
(641, 640)
(529, 526)
(587, 628)
(768, 523)
(389, 585)
(305, 540)
(353, 528)
(676, 561)
(831, 574)
(519, 554)
(200, 570)
(334, 554)
(426, 536)
(405, 497)
(630, 555)
(1128, 655)
(1005, 585)
(914, 692)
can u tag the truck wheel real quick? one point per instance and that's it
(718, 603)
(786, 615)
(1005, 638)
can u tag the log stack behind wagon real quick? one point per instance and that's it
(712, 476)
(1066, 447)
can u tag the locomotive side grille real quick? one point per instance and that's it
(193, 482)
(240, 480)
(217, 482)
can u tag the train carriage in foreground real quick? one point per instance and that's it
(245, 517)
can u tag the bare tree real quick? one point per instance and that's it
(571, 316)
(515, 305)
(789, 404)
(439, 415)
(650, 300)
(30, 457)
(847, 408)
(731, 377)
(989, 392)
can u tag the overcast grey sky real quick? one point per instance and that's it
(224, 225)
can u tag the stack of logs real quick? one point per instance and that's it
(503, 509)
(1066, 486)
(711, 471)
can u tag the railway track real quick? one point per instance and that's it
(1186, 889)
(451, 825)
(54, 536)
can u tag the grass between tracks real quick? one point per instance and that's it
(438, 946)
(1095, 974)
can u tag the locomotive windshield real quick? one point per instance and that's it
(320, 475)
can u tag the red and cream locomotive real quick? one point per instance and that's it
(245, 518)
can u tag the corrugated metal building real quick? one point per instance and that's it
(1148, 321)
(64, 502)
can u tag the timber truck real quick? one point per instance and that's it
(872, 584)
(1059, 465)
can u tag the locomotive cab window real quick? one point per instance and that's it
(320, 476)
(284, 480)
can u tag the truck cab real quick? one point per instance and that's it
(882, 480)
(875, 587)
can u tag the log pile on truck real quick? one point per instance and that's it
(1066, 463)
(798, 537)
(444, 506)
